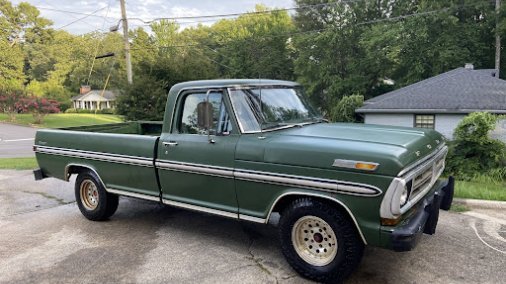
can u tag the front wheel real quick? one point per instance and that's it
(319, 241)
(94, 202)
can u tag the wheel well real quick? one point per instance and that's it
(75, 169)
(286, 200)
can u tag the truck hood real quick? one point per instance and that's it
(318, 145)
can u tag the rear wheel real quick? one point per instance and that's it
(319, 241)
(94, 202)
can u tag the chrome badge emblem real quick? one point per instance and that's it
(429, 146)
(417, 153)
(437, 141)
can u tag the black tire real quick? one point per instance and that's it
(106, 203)
(350, 246)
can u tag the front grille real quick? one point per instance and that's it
(426, 177)
(421, 181)
(440, 165)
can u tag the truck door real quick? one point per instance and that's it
(195, 164)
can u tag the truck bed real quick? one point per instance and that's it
(123, 153)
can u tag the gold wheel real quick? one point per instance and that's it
(314, 240)
(89, 194)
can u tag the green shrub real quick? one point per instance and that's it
(64, 105)
(143, 100)
(85, 111)
(473, 151)
(71, 110)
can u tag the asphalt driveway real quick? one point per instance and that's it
(16, 141)
(44, 239)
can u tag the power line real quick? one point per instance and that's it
(80, 19)
(54, 9)
(391, 19)
(213, 17)
(315, 30)
(72, 12)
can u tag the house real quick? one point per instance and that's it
(94, 99)
(440, 102)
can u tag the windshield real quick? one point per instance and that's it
(280, 107)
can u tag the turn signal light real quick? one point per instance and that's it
(366, 166)
(390, 222)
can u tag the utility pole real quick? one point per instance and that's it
(127, 43)
(497, 39)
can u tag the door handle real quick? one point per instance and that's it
(170, 144)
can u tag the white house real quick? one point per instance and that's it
(440, 102)
(94, 99)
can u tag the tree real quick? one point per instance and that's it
(144, 50)
(328, 61)
(18, 24)
(349, 47)
(253, 46)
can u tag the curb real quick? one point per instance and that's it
(31, 125)
(481, 204)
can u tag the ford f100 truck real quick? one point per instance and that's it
(245, 149)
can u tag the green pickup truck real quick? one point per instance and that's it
(245, 149)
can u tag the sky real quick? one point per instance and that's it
(109, 11)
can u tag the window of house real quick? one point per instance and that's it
(189, 121)
(425, 121)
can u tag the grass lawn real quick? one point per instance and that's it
(65, 119)
(480, 190)
(18, 163)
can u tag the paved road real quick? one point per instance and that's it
(44, 239)
(16, 141)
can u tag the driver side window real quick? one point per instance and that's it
(188, 122)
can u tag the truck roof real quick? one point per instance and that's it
(229, 83)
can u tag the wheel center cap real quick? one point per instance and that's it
(318, 237)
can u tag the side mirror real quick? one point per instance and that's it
(205, 115)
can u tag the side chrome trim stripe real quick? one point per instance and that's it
(133, 194)
(333, 186)
(98, 156)
(327, 185)
(193, 168)
(253, 219)
(321, 196)
(200, 208)
(111, 190)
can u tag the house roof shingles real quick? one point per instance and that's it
(96, 94)
(458, 91)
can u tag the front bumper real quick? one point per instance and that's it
(424, 220)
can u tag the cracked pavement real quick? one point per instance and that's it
(45, 239)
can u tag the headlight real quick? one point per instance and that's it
(403, 199)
